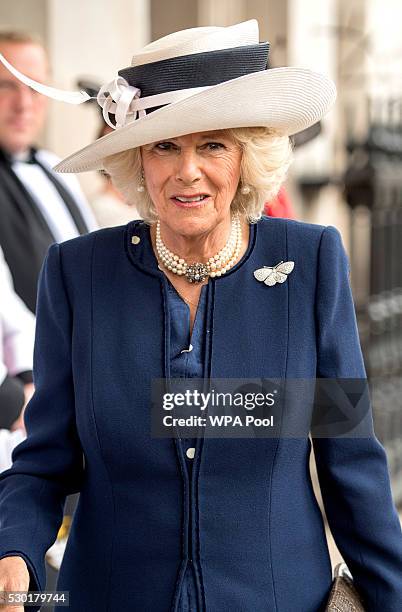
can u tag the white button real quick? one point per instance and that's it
(136, 240)
(190, 452)
(190, 348)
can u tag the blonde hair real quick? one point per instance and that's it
(266, 157)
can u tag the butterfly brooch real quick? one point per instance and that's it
(270, 275)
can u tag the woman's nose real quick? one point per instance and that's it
(188, 167)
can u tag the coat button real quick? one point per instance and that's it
(190, 452)
(135, 240)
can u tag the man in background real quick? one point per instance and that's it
(37, 207)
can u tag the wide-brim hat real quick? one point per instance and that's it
(202, 79)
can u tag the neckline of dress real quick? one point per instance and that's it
(145, 258)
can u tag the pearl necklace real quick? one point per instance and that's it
(197, 271)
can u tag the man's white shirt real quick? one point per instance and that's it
(48, 199)
(17, 328)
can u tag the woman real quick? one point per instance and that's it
(195, 524)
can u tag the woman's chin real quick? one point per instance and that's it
(191, 228)
(191, 220)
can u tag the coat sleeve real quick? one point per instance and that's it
(353, 472)
(48, 465)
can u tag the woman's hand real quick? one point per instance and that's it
(14, 576)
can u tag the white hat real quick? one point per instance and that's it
(196, 80)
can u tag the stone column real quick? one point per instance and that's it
(171, 16)
(92, 39)
(222, 12)
(312, 43)
(272, 17)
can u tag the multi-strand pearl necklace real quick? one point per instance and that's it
(215, 266)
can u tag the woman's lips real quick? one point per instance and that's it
(196, 204)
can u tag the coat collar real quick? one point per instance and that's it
(141, 254)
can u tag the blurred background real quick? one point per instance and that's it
(347, 172)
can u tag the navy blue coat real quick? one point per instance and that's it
(255, 529)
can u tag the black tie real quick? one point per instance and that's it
(64, 194)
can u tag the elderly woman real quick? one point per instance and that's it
(195, 290)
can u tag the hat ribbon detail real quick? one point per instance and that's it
(124, 101)
(116, 97)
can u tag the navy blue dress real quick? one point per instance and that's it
(188, 359)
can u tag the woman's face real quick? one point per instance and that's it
(192, 180)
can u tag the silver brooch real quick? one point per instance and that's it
(270, 275)
(196, 273)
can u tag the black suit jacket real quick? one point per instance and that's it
(24, 233)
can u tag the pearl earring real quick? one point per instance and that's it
(141, 186)
(245, 190)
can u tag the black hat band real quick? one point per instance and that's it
(197, 70)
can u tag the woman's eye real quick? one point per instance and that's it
(164, 146)
(215, 146)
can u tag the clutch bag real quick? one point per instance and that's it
(344, 596)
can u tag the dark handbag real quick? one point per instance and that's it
(344, 596)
